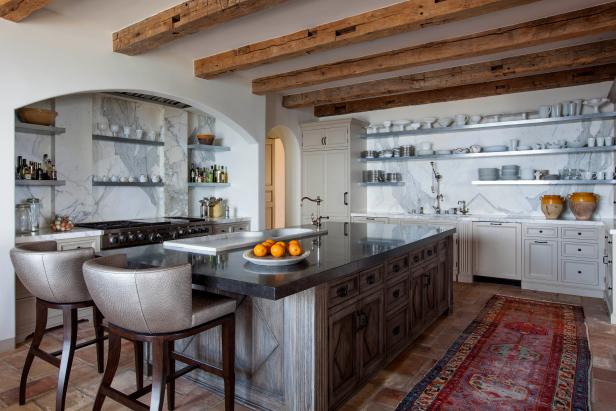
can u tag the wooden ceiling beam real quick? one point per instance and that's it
(398, 18)
(17, 10)
(567, 58)
(516, 85)
(580, 23)
(187, 18)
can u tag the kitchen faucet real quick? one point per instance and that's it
(316, 221)
(436, 188)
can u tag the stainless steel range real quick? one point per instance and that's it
(128, 233)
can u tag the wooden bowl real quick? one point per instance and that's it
(38, 116)
(207, 139)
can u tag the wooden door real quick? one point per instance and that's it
(416, 305)
(313, 139)
(313, 176)
(343, 359)
(336, 137)
(269, 183)
(541, 260)
(497, 250)
(336, 200)
(370, 333)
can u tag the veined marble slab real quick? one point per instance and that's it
(46, 234)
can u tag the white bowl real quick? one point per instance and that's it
(413, 126)
(445, 121)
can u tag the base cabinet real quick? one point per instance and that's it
(541, 260)
(374, 314)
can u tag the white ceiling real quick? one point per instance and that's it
(112, 15)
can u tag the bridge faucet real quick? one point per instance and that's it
(316, 221)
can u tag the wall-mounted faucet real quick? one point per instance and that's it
(436, 188)
(316, 221)
(463, 208)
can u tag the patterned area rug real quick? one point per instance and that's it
(518, 354)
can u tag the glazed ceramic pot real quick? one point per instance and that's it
(583, 205)
(552, 206)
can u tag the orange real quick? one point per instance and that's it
(267, 245)
(282, 243)
(295, 249)
(278, 251)
(270, 241)
(293, 242)
(260, 250)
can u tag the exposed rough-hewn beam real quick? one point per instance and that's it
(398, 18)
(612, 94)
(181, 20)
(531, 83)
(567, 58)
(579, 23)
(17, 10)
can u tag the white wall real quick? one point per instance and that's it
(45, 58)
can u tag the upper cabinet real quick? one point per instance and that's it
(323, 138)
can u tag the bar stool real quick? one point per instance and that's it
(55, 278)
(158, 306)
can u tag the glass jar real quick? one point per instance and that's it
(23, 219)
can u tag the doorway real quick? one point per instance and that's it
(275, 181)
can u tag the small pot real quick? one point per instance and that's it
(583, 205)
(552, 206)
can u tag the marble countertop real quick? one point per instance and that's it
(223, 220)
(345, 249)
(46, 234)
(609, 223)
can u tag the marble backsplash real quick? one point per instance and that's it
(498, 200)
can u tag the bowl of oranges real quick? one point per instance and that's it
(276, 253)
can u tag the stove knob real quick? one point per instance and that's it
(152, 237)
(131, 237)
(159, 237)
(140, 236)
(180, 231)
(113, 239)
(122, 238)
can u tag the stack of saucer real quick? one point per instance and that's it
(510, 172)
(488, 174)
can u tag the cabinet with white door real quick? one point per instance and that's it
(328, 171)
(497, 250)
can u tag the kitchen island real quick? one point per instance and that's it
(309, 335)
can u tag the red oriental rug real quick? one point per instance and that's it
(518, 354)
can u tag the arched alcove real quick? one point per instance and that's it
(292, 161)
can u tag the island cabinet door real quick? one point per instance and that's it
(430, 308)
(416, 306)
(370, 336)
(442, 284)
(343, 356)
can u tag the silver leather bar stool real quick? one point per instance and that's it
(158, 306)
(55, 278)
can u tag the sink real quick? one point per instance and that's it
(220, 243)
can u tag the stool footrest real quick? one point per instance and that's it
(148, 388)
(124, 399)
(81, 345)
(45, 356)
(198, 364)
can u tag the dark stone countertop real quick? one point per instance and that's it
(345, 249)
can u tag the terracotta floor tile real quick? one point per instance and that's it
(34, 389)
(75, 399)
(389, 396)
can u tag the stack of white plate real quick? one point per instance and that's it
(424, 152)
(488, 174)
(510, 172)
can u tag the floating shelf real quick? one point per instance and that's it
(38, 129)
(123, 140)
(544, 182)
(397, 183)
(127, 184)
(192, 185)
(582, 150)
(40, 183)
(494, 125)
(206, 147)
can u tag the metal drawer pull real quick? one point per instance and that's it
(540, 231)
(396, 330)
(371, 280)
(429, 253)
(540, 242)
(342, 291)
(496, 223)
(396, 293)
(606, 260)
(396, 268)
(362, 321)
(579, 272)
(579, 233)
(579, 249)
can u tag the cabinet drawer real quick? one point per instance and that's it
(397, 293)
(241, 227)
(424, 254)
(580, 272)
(370, 279)
(397, 266)
(579, 233)
(584, 250)
(541, 231)
(221, 229)
(78, 243)
(431, 251)
(343, 290)
(396, 330)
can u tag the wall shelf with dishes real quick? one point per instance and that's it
(196, 185)
(127, 184)
(543, 182)
(126, 140)
(40, 183)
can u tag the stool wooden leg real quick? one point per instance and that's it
(228, 361)
(159, 375)
(100, 343)
(171, 373)
(68, 350)
(113, 359)
(138, 346)
(39, 332)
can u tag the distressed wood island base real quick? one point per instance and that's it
(308, 338)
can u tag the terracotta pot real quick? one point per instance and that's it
(552, 206)
(583, 204)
